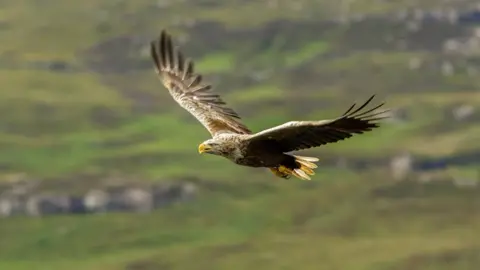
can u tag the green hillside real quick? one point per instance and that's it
(79, 100)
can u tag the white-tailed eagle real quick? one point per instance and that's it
(233, 140)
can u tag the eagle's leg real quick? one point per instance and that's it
(281, 172)
(298, 166)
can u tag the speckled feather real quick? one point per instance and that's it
(189, 91)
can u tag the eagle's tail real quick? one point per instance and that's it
(305, 168)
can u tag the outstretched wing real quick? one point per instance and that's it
(297, 135)
(189, 91)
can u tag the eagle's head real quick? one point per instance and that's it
(211, 147)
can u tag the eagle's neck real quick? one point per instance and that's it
(231, 145)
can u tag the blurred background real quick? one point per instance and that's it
(99, 166)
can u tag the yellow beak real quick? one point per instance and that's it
(202, 148)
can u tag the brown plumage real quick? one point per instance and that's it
(188, 89)
(233, 140)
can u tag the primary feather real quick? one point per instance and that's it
(298, 135)
(189, 91)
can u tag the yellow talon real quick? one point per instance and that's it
(283, 169)
(306, 169)
(280, 172)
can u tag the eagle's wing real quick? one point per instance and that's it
(297, 135)
(188, 90)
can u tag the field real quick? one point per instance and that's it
(79, 100)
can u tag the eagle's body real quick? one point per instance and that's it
(241, 150)
(233, 140)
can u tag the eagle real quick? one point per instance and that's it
(231, 139)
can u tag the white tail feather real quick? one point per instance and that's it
(311, 159)
(301, 174)
(306, 167)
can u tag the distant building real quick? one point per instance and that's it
(48, 204)
(12, 205)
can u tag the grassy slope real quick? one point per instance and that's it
(287, 225)
(52, 128)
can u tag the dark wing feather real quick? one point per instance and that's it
(189, 91)
(297, 135)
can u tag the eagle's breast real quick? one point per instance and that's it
(233, 146)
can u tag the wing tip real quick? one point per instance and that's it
(171, 63)
(157, 49)
(154, 55)
(368, 114)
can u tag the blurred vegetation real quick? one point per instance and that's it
(78, 96)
